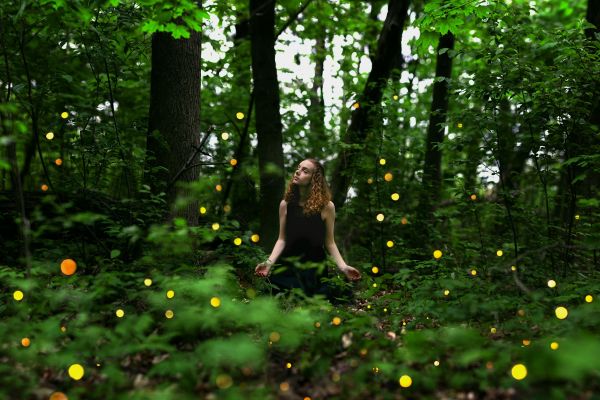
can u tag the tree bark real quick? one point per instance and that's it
(432, 168)
(174, 123)
(316, 110)
(388, 50)
(268, 118)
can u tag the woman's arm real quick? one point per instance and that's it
(329, 215)
(263, 268)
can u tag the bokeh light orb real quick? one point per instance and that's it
(405, 381)
(395, 196)
(437, 254)
(68, 266)
(519, 372)
(561, 312)
(18, 295)
(76, 371)
(215, 302)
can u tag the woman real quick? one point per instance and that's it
(306, 219)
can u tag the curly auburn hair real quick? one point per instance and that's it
(319, 195)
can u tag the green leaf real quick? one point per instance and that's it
(115, 253)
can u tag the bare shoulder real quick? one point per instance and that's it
(283, 206)
(328, 210)
(330, 206)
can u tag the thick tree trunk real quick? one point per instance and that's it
(174, 125)
(316, 110)
(432, 168)
(268, 118)
(388, 50)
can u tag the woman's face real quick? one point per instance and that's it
(304, 173)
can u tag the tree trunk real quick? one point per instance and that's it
(432, 168)
(174, 123)
(268, 118)
(316, 110)
(388, 50)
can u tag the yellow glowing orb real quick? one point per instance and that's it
(224, 135)
(216, 226)
(526, 342)
(380, 217)
(58, 162)
(224, 381)
(202, 210)
(274, 337)
(288, 365)
(237, 241)
(589, 298)
(459, 125)
(395, 97)
(50, 135)
(395, 196)
(233, 162)
(58, 396)
(554, 346)
(284, 386)
(473, 197)
(519, 372)
(63, 329)
(25, 342)
(374, 285)
(385, 310)
(388, 177)
(120, 313)
(239, 115)
(170, 294)
(370, 181)
(499, 253)
(561, 312)
(521, 313)
(551, 283)
(18, 295)
(390, 244)
(68, 266)
(76, 371)
(577, 217)
(376, 370)
(436, 363)
(255, 238)
(169, 314)
(375, 270)
(437, 254)
(446, 292)
(356, 105)
(513, 268)
(215, 302)
(148, 282)
(44, 188)
(405, 381)
(382, 161)
(493, 330)
(317, 324)
(336, 320)
(218, 188)
(64, 115)
(473, 272)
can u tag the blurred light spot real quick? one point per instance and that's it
(120, 313)
(170, 294)
(437, 254)
(519, 372)
(215, 302)
(395, 196)
(148, 282)
(237, 241)
(76, 371)
(68, 266)
(405, 381)
(561, 312)
(18, 295)
(25, 342)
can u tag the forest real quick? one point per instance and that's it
(146, 146)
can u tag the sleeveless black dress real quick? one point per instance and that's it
(304, 243)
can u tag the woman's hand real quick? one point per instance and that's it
(350, 272)
(262, 269)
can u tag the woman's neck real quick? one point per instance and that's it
(303, 191)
